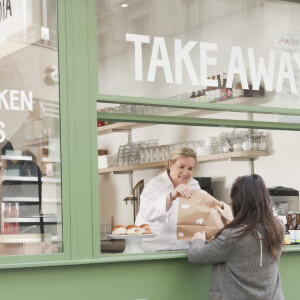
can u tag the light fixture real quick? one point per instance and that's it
(124, 4)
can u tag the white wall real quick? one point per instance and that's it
(281, 168)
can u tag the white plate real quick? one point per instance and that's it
(130, 236)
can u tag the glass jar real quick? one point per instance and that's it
(166, 152)
(237, 144)
(247, 144)
(262, 143)
(160, 153)
(148, 155)
(254, 142)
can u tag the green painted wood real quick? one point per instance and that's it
(93, 89)
(33, 260)
(152, 280)
(191, 121)
(80, 101)
(218, 106)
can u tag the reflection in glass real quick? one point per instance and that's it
(177, 50)
(30, 174)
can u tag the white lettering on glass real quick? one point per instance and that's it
(26, 100)
(2, 133)
(182, 54)
(236, 56)
(3, 99)
(138, 41)
(286, 63)
(159, 46)
(261, 70)
(18, 100)
(205, 61)
(14, 98)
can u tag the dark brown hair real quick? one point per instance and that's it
(252, 208)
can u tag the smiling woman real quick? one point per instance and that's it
(160, 201)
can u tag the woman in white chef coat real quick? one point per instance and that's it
(160, 200)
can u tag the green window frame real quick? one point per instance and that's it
(77, 22)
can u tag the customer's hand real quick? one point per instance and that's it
(182, 190)
(199, 236)
(225, 212)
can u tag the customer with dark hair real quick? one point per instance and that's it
(245, 253)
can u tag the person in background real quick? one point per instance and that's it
(160, 200)
(245, 253)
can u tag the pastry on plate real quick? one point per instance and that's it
(119, 230)
(133, 229)
(146, 229)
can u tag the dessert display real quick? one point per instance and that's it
(146, 229)
(132, 230)
(119, 230)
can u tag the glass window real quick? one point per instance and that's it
(132, 155)
(236, 52)
(30, 165)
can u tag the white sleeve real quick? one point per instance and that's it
(153, 203)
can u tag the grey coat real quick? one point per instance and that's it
(240, 270)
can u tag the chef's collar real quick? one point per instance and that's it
(168, 182)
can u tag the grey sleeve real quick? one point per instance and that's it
(211, 253)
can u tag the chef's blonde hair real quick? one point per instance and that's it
(178, 153)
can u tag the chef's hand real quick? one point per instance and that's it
(199, 236)
(225, 212)
(182, 190)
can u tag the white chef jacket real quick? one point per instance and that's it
(153, 212)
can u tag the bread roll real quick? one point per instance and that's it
(146, 229)
(119, 230)
(133, 229)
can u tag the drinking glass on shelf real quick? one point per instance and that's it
(148, 155)
(160, 153)
(153, 142)
(254, 142)
(154, 154)
(126, 155)
(262, 142)
(166, 152)
(120, 159)
(143, 155)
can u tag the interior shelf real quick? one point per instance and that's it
(24, 238)
(102, 130)
(239, 155)
(16, 157)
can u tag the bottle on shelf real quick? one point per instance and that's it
(198, 95)
(213, 91)
(291, 228)
(248, 92)
(202, 97)
(287, 240)
(208, 92)
(237, 89)
(193, 97)
(218, 90)
(260, 92)
(297, 228)
(224, 95)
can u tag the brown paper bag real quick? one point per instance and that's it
(198, 214)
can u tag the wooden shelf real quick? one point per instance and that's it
(241, 155)
(180, 113)
(126, 125)
(39, 142)
(16, 157)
